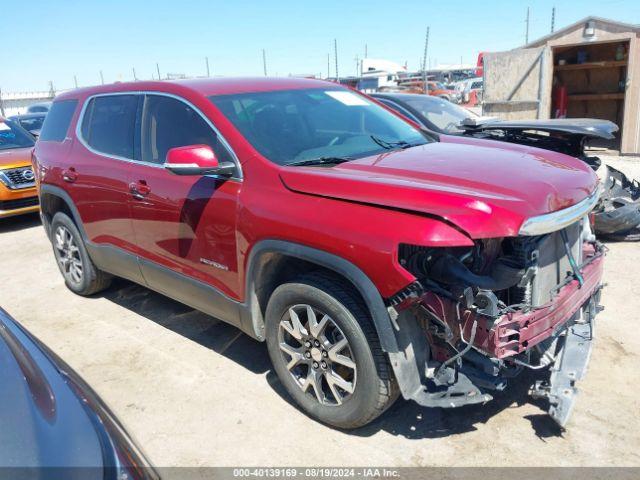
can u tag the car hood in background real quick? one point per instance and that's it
(586, 127)
(50, 417)
(15, 157)
(486, 188)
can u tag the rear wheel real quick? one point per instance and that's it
(326, 352)
(80, 274)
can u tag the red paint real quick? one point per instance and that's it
(442, 194)
(480, 65)
(200, 155)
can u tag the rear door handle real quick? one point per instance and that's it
(69, 175)
(139, 189)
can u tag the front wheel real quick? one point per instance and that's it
(326, 352)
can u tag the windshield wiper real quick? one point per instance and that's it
(320, 161)
(389, 145)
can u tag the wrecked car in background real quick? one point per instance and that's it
(617, 214)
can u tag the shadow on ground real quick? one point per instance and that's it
(209, 332)
(404, 418)
(19, 222)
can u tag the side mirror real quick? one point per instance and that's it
(197, 160)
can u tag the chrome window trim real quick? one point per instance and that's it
(554, 221)
(225, 143)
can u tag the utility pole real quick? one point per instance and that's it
(553, 19)
(526, 35)
(101, 77)
(424, 62)
(328, 65)
(365, 50)
(264, 62)
(206, 59)
(75, 81)
(158, 69)
(335, 51)
(135, 78)
(52, 90)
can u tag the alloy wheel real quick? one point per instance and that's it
(68, 255)
(317, 354)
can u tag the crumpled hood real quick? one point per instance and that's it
(486, 188)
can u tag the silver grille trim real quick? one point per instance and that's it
(18, 178)
(551, 222)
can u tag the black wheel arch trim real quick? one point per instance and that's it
(407, 348)
(59, 192)
(339, 265)
(251, 316)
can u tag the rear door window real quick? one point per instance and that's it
(109, 124)
(57, 121)
(168, 123)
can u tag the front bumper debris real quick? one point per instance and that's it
(569, 367)
(491, 350)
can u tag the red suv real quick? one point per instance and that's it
(373, 258)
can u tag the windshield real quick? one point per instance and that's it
(291, 126)
(13, 136)
(444, 115)
(31, 123)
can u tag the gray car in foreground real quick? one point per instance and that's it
(52, 424)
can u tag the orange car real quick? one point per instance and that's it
(17, 183)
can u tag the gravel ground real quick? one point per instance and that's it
(195, 392)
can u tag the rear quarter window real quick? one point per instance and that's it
(57, 121)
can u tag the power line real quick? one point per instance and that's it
(328, 65)
(264, 62)
(335, 51)
(424, 61)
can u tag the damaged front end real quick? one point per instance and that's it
(490, 311)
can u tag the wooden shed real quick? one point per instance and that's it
(589, 69)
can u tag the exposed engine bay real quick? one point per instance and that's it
(617, 215)
(504, 305)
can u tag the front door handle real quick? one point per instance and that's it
(69, 175)
(139, 189)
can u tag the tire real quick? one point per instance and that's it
(80, 274)
(371, 381)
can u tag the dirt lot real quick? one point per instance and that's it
(194, 391)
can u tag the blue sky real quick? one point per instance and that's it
(47, 40)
